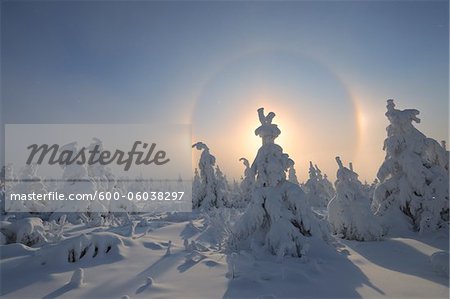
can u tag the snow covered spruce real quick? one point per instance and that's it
(349, 211)
(414, 178)
(292, 173)
(210, 187)
(30, 182)
(318, 188)
(278, 218)
(248, 181)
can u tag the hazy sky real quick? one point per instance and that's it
(325, 68)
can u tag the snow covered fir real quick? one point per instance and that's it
(266, 236)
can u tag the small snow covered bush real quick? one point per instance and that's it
(439, 261)
(218, 226)
(28, 231)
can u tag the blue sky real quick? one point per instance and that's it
(325, 68)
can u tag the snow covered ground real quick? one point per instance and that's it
(116, 263)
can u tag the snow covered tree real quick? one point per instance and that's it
(446, 161)
(328, 186)
(235, 186)
(239, 194)
(248, 181)
(29, 231)
(292, 174)
(105, 181)
(349, 211)
(103, 177)
(28, 182)
(210, 193)
(76, 181)
(7, 176)
(369, 189)
(222, 186)
(414, 177)
(318, 188)
(197, 190)
(122, 207)
(75, 175)
(3, 177)
(278, 218)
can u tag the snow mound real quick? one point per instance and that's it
(179, 216)
(153, 245)
(439, 261)
(149, 281)
(77, 278)
(81, 248)
(15, 250)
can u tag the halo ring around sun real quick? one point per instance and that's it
(286, 80)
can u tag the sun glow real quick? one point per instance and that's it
(225, 111)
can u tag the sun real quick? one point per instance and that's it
(225, 112)
(249, 143)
